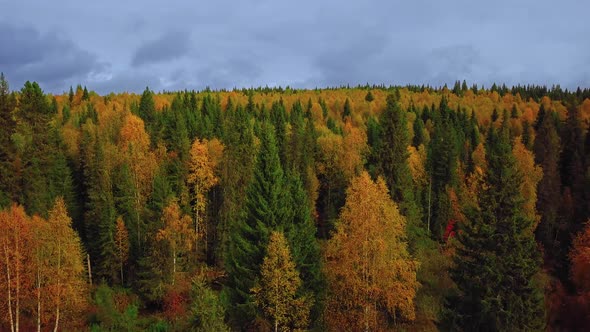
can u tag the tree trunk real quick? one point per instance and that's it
(89, 269)
(173, 265)
(58, 286)
(38, 300)
(9, 286)
(17, 272)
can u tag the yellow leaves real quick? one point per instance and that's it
(531, 175)
(276, 292)
(177, 229)
(369, 269)
(417, 163)
(133, 134)
(122, 241)
(343, 154)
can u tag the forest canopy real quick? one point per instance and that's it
(266, 209)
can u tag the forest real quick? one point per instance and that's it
(367, 208)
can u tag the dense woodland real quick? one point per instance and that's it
(341, 209)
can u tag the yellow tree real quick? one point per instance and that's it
(177, 232)
(275, 294)
(122, 244)
(17, 280)
(135, 144)
(65, 282)
(371, 276)
(531, 175)
(202, 176)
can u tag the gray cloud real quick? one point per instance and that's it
(231, 43)
(169, 46)
(48, 58)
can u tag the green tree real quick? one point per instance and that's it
(206, 309)
(266, 208)
(546, 149)
(347, 111)
(7, 151)
(393, 158)
(497, 264)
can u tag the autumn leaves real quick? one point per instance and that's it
(43, 275)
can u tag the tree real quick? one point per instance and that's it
(266, 209)
(394, 158)
(7, 151)
(122, 244)
(276, 292)
(207, 312)
(347, 111)
(201, 178)
(134, 143)
(497, 264)
(177, 233)
(15, 239)
(580, 258)
(371, 276)
(369, 97)
(547, 149)
(531, 175)
(66, 284)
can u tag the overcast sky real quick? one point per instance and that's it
(128, 45)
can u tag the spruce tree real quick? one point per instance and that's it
(266, 209)
(274, 201)
(497, 262)
(546, 149)
(347, 111)
(7, 153)
(393, 158)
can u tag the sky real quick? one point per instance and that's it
(117, 46)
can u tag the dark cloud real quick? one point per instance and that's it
(169, 46)
(48, 58)
(230, 43)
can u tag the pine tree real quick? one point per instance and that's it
(369, 97)
(418, 132)
(546, 149)
(7, 152)
(265, 210)
(347, 111)
(497, 263)
(394, 158)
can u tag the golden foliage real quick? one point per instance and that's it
(276, 293)
(417, 163)
(370, 273)
(531, 175)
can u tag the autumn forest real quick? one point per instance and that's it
(367, 208)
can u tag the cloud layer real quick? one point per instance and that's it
(122, 46)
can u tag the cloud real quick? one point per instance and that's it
(167, 47)
(305, 44)
(48, 58)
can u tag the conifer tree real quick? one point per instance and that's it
(7, 152)
(266, 209)
(546, 149)
(497, 263)
(393, 158)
